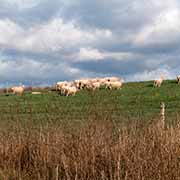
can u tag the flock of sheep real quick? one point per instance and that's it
(70, 88)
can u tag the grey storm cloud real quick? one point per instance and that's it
(119, 16)
(37, 12)
(45, 41)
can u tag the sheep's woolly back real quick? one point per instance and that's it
(158, 82)
(18, 90)
(178, 79)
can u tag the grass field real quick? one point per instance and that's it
(135, 101)
(41, 140)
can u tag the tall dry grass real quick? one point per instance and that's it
(98, 150)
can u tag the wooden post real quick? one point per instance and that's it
(162, 115)
(7, 90)
(57, 173)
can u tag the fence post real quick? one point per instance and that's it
(162, 115)
(57, 173)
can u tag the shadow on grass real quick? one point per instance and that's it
(173, 82)
(150, 85)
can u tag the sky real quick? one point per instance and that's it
(44, 41)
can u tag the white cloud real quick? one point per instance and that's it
(53, 36)
(20, 4)
(165, 70)
(90, 54)
(94, 54)
(132, 33)
(24, 70)
(10, 34)
(122, 56)
(164, 29)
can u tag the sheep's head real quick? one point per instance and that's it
(162, 77)
(122, 80)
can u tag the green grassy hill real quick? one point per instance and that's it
(135, 101)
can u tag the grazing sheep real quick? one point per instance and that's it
(158, 82)
(94, 80)
(102, 81)
(93, 85)
(62, 89)
(84, 83)
(77, 84)
(64, 83)
(70, 84)
(88, 86)
(96, 85)
(114, 85)
(112, 79)
(19, 90)
(107, 84)
(70, 90)
(60, 84)
(178, 79)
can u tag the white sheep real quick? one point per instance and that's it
(102, 81)
(93, 85)
(90, 84)
(114, 85)
(77, 84)
(70, 90)
(158, 82)
(112, 79)
(19, 90)
(85, 83)
(94, 80)
(178, 79)
(96, 85)
(60, 84)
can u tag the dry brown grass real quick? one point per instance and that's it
(98, 150)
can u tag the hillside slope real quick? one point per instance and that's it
(138, 100)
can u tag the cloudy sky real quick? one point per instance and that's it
(43, 41)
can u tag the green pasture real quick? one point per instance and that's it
(135, 101)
